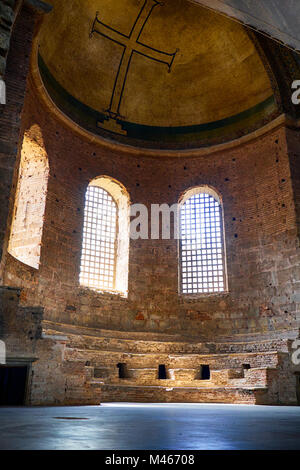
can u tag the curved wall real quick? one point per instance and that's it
(260, 226)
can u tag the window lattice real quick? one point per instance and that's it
(202, 254)
(97, 269)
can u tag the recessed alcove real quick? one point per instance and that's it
(162, 372)
(123, 371)
(204, 372)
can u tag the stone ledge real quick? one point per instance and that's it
(20, 360)
(10, 289)
(55, 337)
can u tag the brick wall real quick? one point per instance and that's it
(260, 224)
(17, 67)
(294, 154)
(7, 17)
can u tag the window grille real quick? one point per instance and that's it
(201, 245)
(98, 258)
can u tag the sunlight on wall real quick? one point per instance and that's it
(30, 201)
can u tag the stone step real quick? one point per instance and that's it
(116, 334)
(128, 345)
(152, 394)
(189, 377)
(171, 361)
(140, 342)
(106, 373)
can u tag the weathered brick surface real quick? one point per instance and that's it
(7, 16)
(265, 375)
(112, 393)
(20, 327)
(259, 183)
(56, 381)
(260, 225)
(77, 369)
(10, 114)
(51, 379)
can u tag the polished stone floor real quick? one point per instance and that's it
(151, 427)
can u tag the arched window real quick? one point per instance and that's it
(105, 244)
(30, 202)
(202, 246)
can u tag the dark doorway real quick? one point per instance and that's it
(204, 372)
(13, 381)
(246, 366)
(162, 372)
(298, 388)
(123, 371)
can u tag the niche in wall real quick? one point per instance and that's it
(123, 371)
(162, 372)
(204, 372)
(30, 201)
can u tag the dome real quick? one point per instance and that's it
(172, 75)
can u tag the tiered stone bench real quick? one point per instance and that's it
(240, 372)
